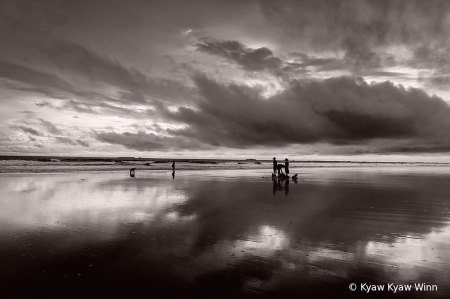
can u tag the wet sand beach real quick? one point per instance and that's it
(225, 233)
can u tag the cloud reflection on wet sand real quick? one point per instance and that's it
(226, 234)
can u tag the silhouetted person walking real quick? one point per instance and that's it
(173, 166)
(286, 166)
(274, 165)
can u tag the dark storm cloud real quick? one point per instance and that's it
(70, 141)
(27, 130)
(263, 59)
(339, 111)
(249, 59)
(361, 62)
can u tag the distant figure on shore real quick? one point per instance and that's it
(274, 165)
(132, 170)
(173, 166)
(286, 166)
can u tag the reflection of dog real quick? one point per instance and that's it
(132, 170)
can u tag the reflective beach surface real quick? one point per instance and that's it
(226, 233)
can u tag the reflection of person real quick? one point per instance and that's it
(286, 187)
(274, 165)
(274, 181)
(173, 174)
(280, 184)
(286, 166)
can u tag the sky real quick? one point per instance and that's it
(306, 79)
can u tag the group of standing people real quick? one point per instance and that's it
(277, 168)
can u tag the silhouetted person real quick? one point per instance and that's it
(274, 165)
(132, 170)
(173, 166)
(286, 166)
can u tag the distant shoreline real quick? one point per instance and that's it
(57, 164)
(190, 160)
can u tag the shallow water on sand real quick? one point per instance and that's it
(225, 233)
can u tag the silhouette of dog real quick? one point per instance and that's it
(280, 167)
